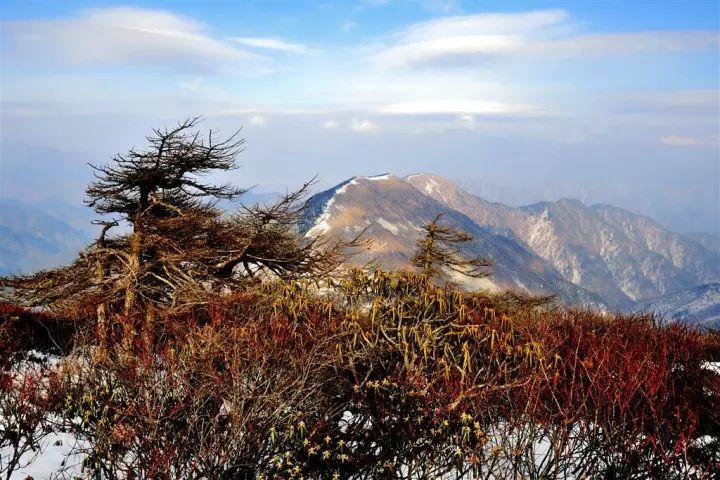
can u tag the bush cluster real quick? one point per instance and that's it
(388, 376)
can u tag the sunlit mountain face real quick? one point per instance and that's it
(598, 255)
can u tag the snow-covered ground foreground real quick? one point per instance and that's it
(57, 457)
(714, 366)
(55, 460)
(60, 454)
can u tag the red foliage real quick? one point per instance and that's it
(431, 380)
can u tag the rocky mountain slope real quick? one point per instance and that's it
(710, 242)
(621, 256)
(392, 212)
(599, 254)
(698, 305)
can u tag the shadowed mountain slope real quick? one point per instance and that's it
(697, 305)
(621, 256)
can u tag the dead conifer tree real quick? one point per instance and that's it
(180, 248)
(437, 252)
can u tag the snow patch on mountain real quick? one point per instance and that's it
(699, 305)
(544, 241)
(375, 178)
(391, 227)
(322, 226)
(319, 209)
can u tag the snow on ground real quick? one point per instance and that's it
(712, 366)
(57, 459)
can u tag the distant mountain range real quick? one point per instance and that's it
(597, 256)
(589, 255)
(699, 305)
(33, 237)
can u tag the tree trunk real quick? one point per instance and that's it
(133, 266)
(100, 275)
(129, 330)
(149, 327)
(102, 325)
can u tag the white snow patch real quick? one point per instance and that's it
(353, 229)
(520, 284)
(58, 457)
(391, 227)
(384, 176)
(322, 224)
(431, 185)
(712, 366)
(343, 189)
(472, 284)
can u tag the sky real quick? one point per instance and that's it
(608, 102)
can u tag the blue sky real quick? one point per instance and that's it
(613, 102)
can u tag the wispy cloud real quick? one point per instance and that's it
(548, 32)
(685, 141)
(257, 120)
(330, 124)
(125, 37)
(440, 107)
(347, 26)
(273, 44)
(363, 126)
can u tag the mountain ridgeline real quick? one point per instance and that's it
(596, 256)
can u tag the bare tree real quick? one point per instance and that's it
(437, 252)
(181, 248)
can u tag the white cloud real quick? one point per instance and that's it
(464, 35)
(257, 120)
(347, 26)
(440, 107)
(466, 120)
(624, 43)
(273, 44)
(683, 141)
(123, 36)
(363, 126)
(487, 24)
(330, 124)
(546, 32)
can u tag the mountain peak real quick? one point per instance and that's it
(391, 211)
(375, 178)
(620, 257)
(323, 206)
(436, 186)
